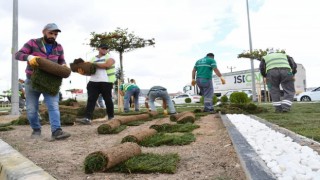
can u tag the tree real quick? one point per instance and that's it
(257, 53)
(121, 41)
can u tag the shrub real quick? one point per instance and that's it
(214, 99)
(202, 100)
(188, 100)
(224, 99)
(239, 98)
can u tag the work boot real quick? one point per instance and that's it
(36, 134)
(59, 134)
(84, 121)
(109, 118)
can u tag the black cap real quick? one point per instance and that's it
(210, 54)
(103, 46)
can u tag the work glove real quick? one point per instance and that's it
(193, 82)
(165, 112)
(80, 71)
(223, 81)
(33, 60)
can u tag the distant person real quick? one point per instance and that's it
(101, 82)
(45, 47)
(279, 69)
(22, 95)
(202, 76)
(131, 98)
(160, 92)
(127, 90)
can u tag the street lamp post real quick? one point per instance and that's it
(14, 72)
(254, 98)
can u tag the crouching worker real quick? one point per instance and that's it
(160, 92)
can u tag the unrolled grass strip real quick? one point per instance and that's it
(6, 128)
(171, 128)
(149, 163)
(168, 139)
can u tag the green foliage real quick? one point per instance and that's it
(239, 98)
(257, 53)
(214, 99)
(202, 100)
(168, 139)
(224, 99)
(187, 100)
(149, 163)
(241, 109)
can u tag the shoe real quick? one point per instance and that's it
(210, 111)
(110, 118)
(36, 134)
(84, 121)
(59, 134)
(172, 113)
(278, 111)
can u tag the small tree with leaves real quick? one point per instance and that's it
(257, 53)
(121, 41)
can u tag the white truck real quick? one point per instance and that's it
(242, 81)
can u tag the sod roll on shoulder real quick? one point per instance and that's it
(139, 135)
(108, 127)
(102, 160)
(53, 68)
(186, 117)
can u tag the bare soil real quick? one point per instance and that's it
(211, 156)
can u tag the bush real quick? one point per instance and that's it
(188, 100)
(224, 99)
(239, 98)
(214, 99)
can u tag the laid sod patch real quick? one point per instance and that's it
(5, 124)
(171, 128)
(105, 129)
(149, 163)
(171, 139)
(6, 128)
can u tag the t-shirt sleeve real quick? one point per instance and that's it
(213, 64)
(121, 87)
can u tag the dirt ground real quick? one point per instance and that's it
(212, 156)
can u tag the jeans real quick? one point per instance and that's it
(94, 89)
(32, 101)
(164, 95)
(135, 93)
(206, 88)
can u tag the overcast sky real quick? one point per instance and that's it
(184, 31)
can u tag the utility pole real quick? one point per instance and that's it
(253, 78)
(231, 67)
(15, 67)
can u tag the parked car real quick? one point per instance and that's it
(313, 95)
(181, 99)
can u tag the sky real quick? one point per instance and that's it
(184, 31)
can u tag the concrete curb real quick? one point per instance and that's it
(253, 166)
(15, 166)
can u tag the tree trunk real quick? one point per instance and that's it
(121, 67)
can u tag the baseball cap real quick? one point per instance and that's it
(52, 27)
(103, 46)
(210, 54)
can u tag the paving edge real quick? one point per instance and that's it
(15, 166)
(253, 166)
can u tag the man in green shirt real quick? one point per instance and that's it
(203, 69)
(127, 90)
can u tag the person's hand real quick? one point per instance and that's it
(294, 78)
(193, 82)
(80, 71)
(33, 60)
(223, 81)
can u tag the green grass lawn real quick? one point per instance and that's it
(303, 119)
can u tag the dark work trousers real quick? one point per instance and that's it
(94, 89)
(283, 77)
(206, 88)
